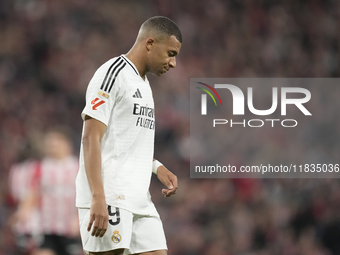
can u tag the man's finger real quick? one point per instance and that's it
(170, 185)
(95, 226)
(168, 193)
(90, 223)
(94, 230)
(103, 230)
(100, 227)
(175, 182)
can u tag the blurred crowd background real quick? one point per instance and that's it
(49, 50)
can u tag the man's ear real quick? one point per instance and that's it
(150, 42)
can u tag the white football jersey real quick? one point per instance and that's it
(119, 97)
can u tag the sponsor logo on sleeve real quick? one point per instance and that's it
(96, 103)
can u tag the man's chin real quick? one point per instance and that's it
(157, 74)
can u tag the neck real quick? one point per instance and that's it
(135, 57)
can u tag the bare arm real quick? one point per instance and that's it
(93, 133)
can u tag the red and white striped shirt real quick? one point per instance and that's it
(20, 183)
(56, 185)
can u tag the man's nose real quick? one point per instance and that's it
(172, 62)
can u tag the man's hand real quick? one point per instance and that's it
(99, 217)
(168, 179)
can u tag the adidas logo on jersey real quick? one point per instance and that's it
(137, 94)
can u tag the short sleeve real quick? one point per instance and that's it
(102, 91)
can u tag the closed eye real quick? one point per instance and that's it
(172, 53)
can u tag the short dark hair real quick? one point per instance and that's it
(164, 26)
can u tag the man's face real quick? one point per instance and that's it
(57, 146)
(162, 55)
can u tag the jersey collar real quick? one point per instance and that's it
(130, 63)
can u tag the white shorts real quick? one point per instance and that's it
(135, 233)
